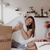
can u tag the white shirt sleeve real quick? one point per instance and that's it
(29, 40)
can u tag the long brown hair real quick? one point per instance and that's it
(32, 26)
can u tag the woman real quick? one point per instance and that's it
(30, 23)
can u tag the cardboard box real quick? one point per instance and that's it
(5, 37)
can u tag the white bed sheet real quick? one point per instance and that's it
(45, 47)
(15, 49)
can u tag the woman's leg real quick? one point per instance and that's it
(31, 44)
(18, 45)
(33, 48)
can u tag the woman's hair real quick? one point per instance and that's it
(32, 26)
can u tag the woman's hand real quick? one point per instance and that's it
(17, 28)
(21, 25)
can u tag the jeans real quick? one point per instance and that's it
(18, 45)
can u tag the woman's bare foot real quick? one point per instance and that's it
(33, 48)
(31, 44)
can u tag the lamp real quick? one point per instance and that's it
(41, 10)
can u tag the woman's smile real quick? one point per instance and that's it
(29, 21)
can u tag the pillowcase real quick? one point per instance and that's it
(17, 36)
(45, 47)
(15, 21)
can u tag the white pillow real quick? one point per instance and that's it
(15, 21)
(45, 47)
(17, 36)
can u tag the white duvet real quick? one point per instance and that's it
(45, 47)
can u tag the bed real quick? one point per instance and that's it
(40, 46)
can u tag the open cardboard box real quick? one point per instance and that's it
(5, 37)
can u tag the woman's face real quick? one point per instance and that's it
(29, 21)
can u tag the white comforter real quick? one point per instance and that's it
(45, 47)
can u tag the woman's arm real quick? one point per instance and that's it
(27, 34)
(16, 28)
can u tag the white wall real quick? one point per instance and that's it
(0, 9)
(0, 12)
(23, 5)
(40, 28)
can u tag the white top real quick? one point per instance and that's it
(19, 38)
(30, 29)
